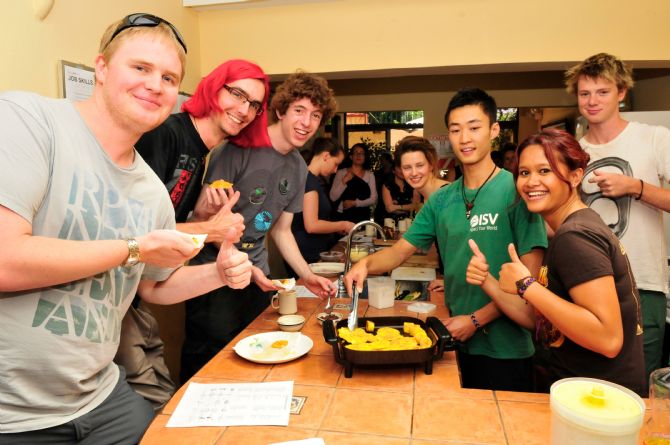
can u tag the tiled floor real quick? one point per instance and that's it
(388, 406)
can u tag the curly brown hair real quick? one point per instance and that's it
(601, 65)
(301, 85)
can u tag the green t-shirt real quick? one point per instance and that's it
(498, 218)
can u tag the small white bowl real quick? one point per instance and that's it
(291, 323)
(332, 256)
(334, 317)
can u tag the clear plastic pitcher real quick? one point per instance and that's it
(657, 430)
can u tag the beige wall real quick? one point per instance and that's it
(352, 35)
(31, 49)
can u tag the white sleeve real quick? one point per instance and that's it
(662, 152)
(337, 188)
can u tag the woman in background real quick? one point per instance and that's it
(399, 198)
(584, 306)
(354, 189)
(417, 159)
(313, 228)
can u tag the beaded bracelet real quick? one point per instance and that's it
(474, 320)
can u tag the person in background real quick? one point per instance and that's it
(508, 156)
(416, 158)
(227, 104)
(400, 200)
(272, 181)
(497, 157)
(312, 228)
(482, 205)
(86, 223)
(623, 183)
(584, 306)
(383, 173)
(354, 189)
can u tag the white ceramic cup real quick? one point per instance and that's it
(286, 302)
(370, 230)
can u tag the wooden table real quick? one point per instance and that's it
(400, 406)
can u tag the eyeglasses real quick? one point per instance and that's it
(149, 20)
(241, 97)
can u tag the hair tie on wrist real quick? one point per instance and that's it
(637, 198)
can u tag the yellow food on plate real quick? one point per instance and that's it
(279, 344)
(370, 326)
(221, 184)
(386, 339)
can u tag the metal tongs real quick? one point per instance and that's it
(352, 321)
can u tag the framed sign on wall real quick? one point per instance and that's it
(77, 80)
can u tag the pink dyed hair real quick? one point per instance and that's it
(204, 100)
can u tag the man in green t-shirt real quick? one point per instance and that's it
(481, 205)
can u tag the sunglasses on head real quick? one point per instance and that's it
(149, 20)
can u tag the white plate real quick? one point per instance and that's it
(258, 348)
(327, 268)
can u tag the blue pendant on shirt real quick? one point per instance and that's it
(263, 221)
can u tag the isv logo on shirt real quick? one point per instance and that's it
(485, 221)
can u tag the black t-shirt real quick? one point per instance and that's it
(312, 244)
(584, 249)
(175, 151)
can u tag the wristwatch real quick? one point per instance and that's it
(523, 284)
(133, 253)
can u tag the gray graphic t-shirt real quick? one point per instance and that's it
(58, 343)
(269, 183)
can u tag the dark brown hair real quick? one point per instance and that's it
(558, 146)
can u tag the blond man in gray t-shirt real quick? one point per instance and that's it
(85, 223)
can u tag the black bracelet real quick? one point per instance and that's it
(637, 198)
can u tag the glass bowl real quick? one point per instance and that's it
(332, 256)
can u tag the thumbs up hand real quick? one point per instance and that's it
(478, 268)
(233, 266)
(512, 272)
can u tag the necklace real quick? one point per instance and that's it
(470, 204)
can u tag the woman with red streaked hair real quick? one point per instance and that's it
(584, 306)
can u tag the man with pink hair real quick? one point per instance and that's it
(228, 104)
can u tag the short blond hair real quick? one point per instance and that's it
(601, 65)
(109, 46)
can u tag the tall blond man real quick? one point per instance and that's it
(623, 183)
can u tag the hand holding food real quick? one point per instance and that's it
(221, 184)
(166, 248)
